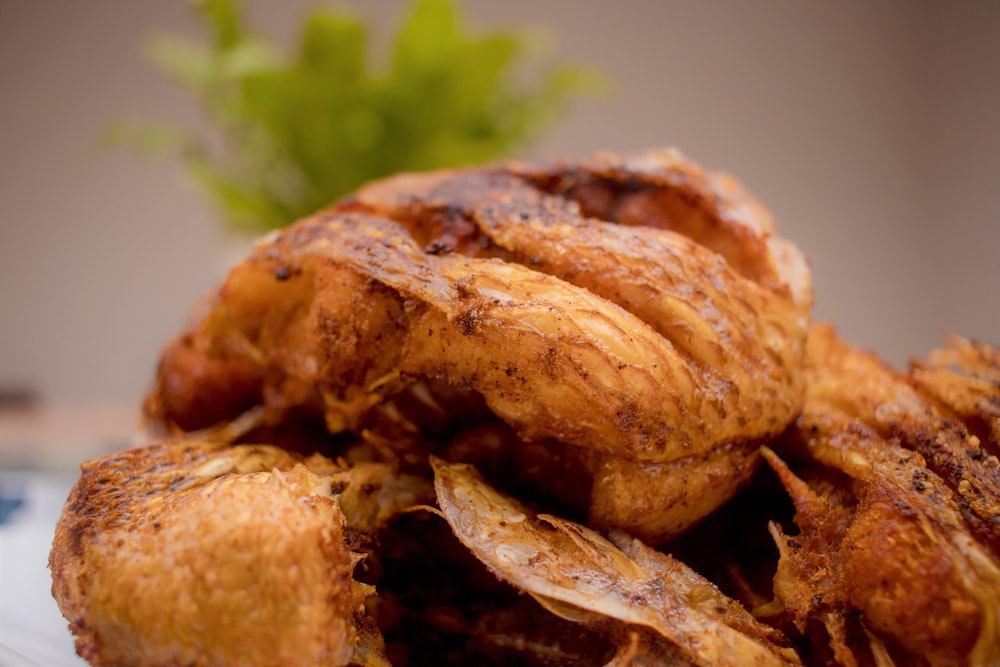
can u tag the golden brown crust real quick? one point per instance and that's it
(661, 188)
(198, 553)
(680, 348)
(617, 336)
(963, 380)
(897, 408)
(900, 550)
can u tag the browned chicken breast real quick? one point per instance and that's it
(661, 341)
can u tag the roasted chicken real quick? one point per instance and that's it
(661, 341)
(575, 365)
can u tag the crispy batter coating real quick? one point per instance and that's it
(623, 338)
(908, 550)
(896, 408)
(653, 351)
(964, 381)
(196, 553)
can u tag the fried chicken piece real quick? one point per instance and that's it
(908, 553)
(720, 327)
(809, 582)
(198, 553)
(686, 351)
(893, 405)
(964, 380)
(653, 605)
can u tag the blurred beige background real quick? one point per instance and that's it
(872, 130)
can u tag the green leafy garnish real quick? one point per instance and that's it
(291, 132)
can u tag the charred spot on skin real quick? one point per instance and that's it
(631, 185)
(905, 509)
(551, 356)
(467, 322)
(76, 534)
(284, 272)
(625, 418)
(452, 213)
(438, 248)
(176, 482)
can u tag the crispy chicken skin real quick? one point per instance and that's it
(963, 380)
(652, 351)
(896, 546)
(621, 586)
(197, 553)
(580, 360)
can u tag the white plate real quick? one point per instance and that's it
(33, 632)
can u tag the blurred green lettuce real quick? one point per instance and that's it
(290, 133)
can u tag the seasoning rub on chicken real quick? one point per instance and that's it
(636, 312)
(576, 365)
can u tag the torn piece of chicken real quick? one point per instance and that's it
(897, 543)
(686, 351)
(198, 553)
(578, 574)
(964, 380)
(895, 406)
